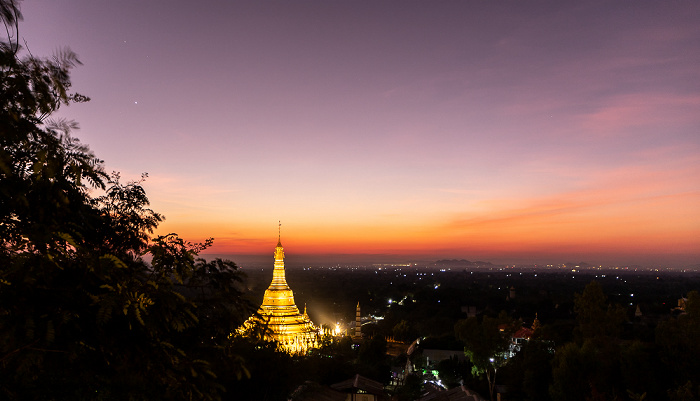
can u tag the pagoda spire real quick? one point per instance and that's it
(279, 293)
(279, 233)
(536, 323)
(279, 251)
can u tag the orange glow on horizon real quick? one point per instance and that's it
(653, 225)
(628, 211)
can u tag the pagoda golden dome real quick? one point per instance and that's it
(279, 316)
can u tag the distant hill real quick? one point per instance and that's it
(461, 263)
(582, 265)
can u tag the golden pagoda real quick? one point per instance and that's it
(279, 316)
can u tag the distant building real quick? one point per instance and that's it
(434, 356)
(460, 393)
(681, 304)
(278, 316)
(360, 388)
(470, 310)
(518, 338)
(357, 388)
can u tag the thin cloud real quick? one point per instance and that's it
(617, 189)
(621, 113)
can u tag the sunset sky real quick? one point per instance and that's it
(510, 131)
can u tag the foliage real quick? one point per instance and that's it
(486, 343)
(593, 316)
(529, 373)
(453, 371)
(642, 371)
(600, 365)
(372, 360)
(679, 339)
(686, 392)
(403, 331)
(410, 389)
(273, 374)
(572, 366)
(81, 310)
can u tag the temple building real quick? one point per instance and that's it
(279, 316)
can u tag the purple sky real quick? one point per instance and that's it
(508, 130)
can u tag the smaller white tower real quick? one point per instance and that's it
(358, 324)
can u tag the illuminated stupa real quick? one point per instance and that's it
(279, 316)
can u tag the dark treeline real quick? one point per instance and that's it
(613, 334)
(549, 293)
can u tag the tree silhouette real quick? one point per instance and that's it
(591, 366)
(679, 339)
(594, 317)
(83, 315)
(486, 343)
